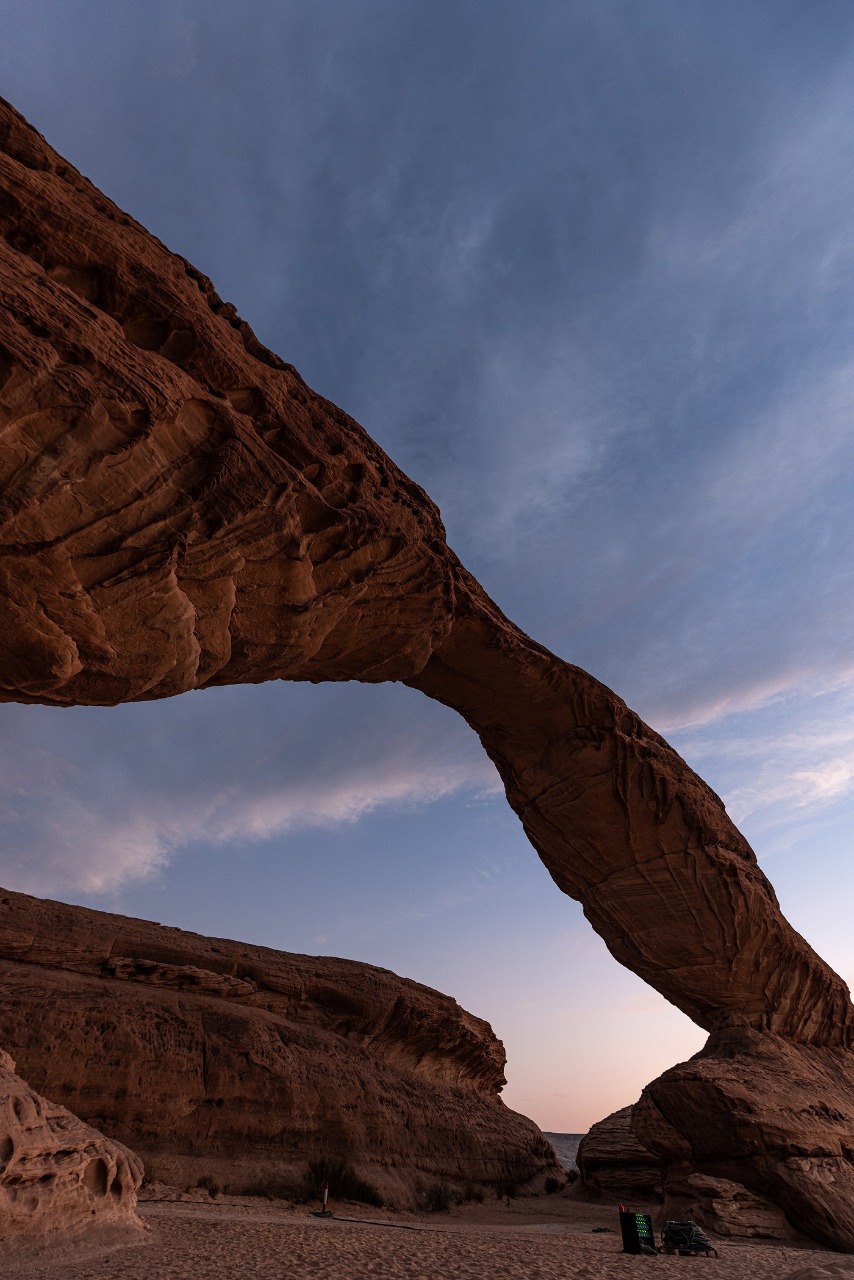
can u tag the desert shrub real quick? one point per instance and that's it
(149, 1173)
(439, 1198)
(552, 1185)
(207, 1183)
(473, 1192)
(572, 1175)
(344, 1182)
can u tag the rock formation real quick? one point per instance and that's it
(217, 1059)
(773, 1116)
(613, 1163)
(59, 1179)
(181, 510)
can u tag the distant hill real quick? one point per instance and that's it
(566, 1146)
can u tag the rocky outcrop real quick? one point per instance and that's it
(240, 1063)
(725, 1207)
(613, 1163)
(773, 1116)
(180, 509)
(59, 1179)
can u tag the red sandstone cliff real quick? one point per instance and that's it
(215, 1057)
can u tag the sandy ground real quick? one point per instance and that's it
(548, 1238)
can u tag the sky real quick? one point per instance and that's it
(585, 270)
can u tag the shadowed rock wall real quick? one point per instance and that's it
(180, 510)
(613, 1163)
(770, 1115)
(217, 1058)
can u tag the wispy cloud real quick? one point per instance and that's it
(784, 457)
(93, 800)
(784, 763)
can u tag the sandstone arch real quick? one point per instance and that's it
(180, 510)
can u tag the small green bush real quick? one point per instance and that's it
(439, 1198)
(505, 1190)
(473, 1192)
(552, 1185)
(344, 1182)
(207, 1183)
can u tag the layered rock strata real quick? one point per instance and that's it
(614, 1164)
(725, 1207)
(217, 1059)
(611, 1162)
(181, 510)
(773, 1116)
(60, 1180)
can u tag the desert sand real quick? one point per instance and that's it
(538, 1238)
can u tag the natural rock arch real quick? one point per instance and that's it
(180, 510)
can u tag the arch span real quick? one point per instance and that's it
(179, 510)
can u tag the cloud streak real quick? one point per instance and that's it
(788, 762)
(93, 800)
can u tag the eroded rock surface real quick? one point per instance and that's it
(764, 1112)
(613, 1163)
(725, 1207)
(240, 1063)
(180, 510)
(59, 1179)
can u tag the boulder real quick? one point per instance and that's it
(771, 1115)
(60, 1180)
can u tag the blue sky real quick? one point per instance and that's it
(585, 271)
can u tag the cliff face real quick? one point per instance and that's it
(614, 1164)
(771, 1118)
(214, 1057)
(180, 510)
